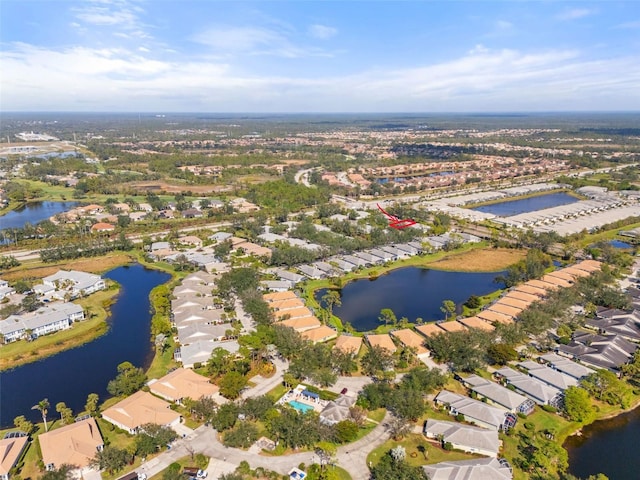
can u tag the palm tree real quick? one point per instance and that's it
(43, 406)
(331, 299)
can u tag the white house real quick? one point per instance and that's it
(45, 320)
(74, 283)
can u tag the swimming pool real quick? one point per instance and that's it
(301, 407)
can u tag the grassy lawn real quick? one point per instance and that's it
(480, 260)
(606, 236)
(21, 352)
(276, 392)
(38, 270)
(377, 415)
(413, 443)
(162, 361)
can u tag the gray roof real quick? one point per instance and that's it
(201, 351)
(81, 280)
(343, 265)
(46, 315)
(610, 351)
(276, 284)
(311, 271)
(564, 365)
(288, 276)
(378, 252)
(627, 325)
(472, 409)
(337, 410)
(359, 262)
(496, 393)
(220, 236)
(325, 267)
(474, 469)
(533, 388)
(464, 435)
(201, 331)
(548, 375)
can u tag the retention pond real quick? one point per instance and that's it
(73, 374)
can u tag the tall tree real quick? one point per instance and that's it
(92, 404)
(448, 308)
(330, 300)
(43, 406)
(387, 316)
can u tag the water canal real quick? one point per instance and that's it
(607, 446)
(34, 213)
(410, 292)
(525, 205)
(73, 374)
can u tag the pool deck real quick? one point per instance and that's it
(296, 394)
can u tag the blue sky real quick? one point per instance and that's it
(319, 56)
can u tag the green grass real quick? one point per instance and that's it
(276, 392)
(377, 415)
(21, 352)
(412, 444)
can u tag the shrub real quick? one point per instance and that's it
(549, 408)
(529, 425)
(447, 446)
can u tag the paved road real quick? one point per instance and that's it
(353, 457)
(264, 385)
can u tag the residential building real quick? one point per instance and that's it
(11, 448)
(566, 366)
(74, 283)
(536, 390)
(347, 343)
(382, 341)
(138, 409)
(464, 437)
(599, 351)
(47, 319)
(323, 333)
(183, 383)
(475, 469)
(547, 375)
(498, 395)
(476, 412)
(74, 444)
(338, 410)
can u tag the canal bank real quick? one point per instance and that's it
(71, 375)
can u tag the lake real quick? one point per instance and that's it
(410, 292)
(608, 446)
(525, 205)
(33, 213)
(73, 374)
(620, 244)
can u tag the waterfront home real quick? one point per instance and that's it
(381, 254)
(475, 322)
(566, 366)
(11, 449)
(367, 257)
(195, 332)
(200, 278)
(474, 411)
(338, 410)
(505, 309)
(408, 249)
(199, 352)
(382, 341)
(301, 324)
(548, 375)
(358, 262)
(138, 409)
(322, 333)
(75, 444)
(514, 302)
(190, 289)
(536, 390)
(191, 315)
(498, 395)
(183, 383)
(343, 265)
(326, 268)
(474, 469)
(492, 316)
(288, 276)
(452, 326)
(409, 338)
(47, 319)
(464, 437)
(292, 313)
(348, 344)
(155, 246)
(429, 329)
(526, 288)
(523, 296)
(74, 283)
(311, 272)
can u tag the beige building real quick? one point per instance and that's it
(348, 344)
(320, 334)
(74, 444)
(10, 451)
(410, 338)
(383, 341)
(140, 408)
(183, 383)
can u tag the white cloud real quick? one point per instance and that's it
(575, 13)
(86, 79)
(322, 32)
(629, 25)
(232, 41)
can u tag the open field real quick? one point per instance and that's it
(485, 260)
(160, 185)
(90, 265)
